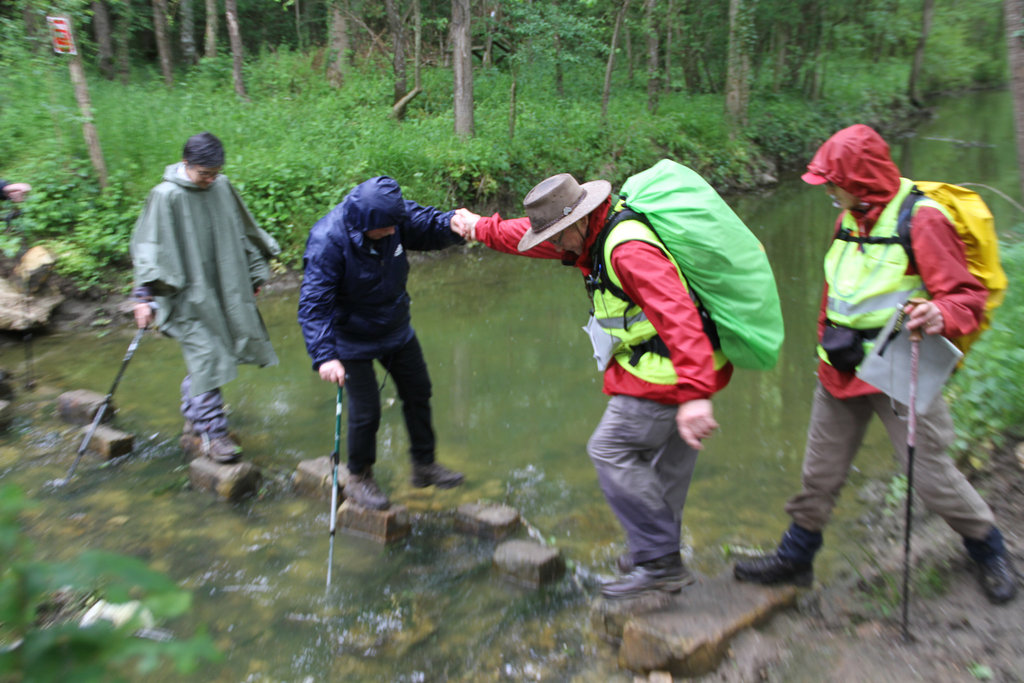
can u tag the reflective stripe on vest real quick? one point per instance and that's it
(867, 282)
(627, 321)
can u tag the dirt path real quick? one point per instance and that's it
(850, 629)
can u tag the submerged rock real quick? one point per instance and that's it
(488, 520)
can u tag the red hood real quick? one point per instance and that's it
(857, 160)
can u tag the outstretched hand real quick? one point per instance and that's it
(464, 223)
(16, 191)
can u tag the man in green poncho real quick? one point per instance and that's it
(199, 260)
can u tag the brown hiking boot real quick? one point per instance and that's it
(362, 489)
(435, 474)
(220, 448)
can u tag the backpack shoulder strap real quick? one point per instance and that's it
(903, 222)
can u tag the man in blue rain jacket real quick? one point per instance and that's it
(354, 309)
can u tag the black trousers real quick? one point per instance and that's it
(408, 370)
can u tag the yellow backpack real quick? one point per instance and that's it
(974, 224)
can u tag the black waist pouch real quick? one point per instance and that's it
(844, 346)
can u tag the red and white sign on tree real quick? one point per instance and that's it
(63, 41)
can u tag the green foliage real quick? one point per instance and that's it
(985, 396)
(38, 645)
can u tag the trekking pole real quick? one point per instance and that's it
(335, 458)
(915, 350)
(103, 408)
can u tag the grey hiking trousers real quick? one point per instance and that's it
(644, 468)
(834, 436)
(205, 411)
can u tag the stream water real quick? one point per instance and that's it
(515, 399)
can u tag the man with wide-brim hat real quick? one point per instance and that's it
(659, 366)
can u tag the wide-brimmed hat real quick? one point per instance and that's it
(557, 202)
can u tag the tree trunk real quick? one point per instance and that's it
(398, 52)
(339, 50)
(104, 44)
(606, 91)
(1014, 13)
(489, 18)
(670, 28)
(188, 31)
(92, 140)
(235, 37)
(559, 71)
(512, 104)
(652, 55)
(122, 40)
(737, 80)
(781, 56)
(163, 45)
(462, 68)
(417, 46)
(927, 11)
(210, 44)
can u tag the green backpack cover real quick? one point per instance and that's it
(722, 260)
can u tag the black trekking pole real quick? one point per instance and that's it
(915, 350)
(335, 459)
(103, 408)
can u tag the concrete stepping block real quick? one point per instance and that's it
(108, 442)
(230, 481)
(80, 406)
(383, 526)
(529, 563)
(312, 478)
(691, 636)
(487, 520)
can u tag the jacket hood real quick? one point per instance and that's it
(374, 203)
(857, 160)
(173, 175)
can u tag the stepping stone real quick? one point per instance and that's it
(110, 443)
(313, 478)
(529, 563)
(383, 526)
(6, 414)
(691, 635)
(231, 481)
(488, 520)
(80, 406)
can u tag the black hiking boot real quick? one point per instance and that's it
(996, 573)
(774, 569)
(667, 574)
(362, 489)
(435, 474)
(998, 579)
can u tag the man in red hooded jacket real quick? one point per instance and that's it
(866, 282)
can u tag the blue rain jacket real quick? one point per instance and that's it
(353, 304)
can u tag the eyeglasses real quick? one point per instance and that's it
(203, 173)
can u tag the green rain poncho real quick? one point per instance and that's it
(203, 256)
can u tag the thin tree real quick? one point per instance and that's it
(670, 29)
(1014, 19)
(163, 45)
(102, 35)
(606, 91)
(235, 37)
(122, 40)
(210, 44)
(462, 69)
(927, 11)
(398, 109)
(737, 80)
(652, 55)
(188, 27)
(398, 49)
(338, 48)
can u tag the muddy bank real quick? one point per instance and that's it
(850, 628)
